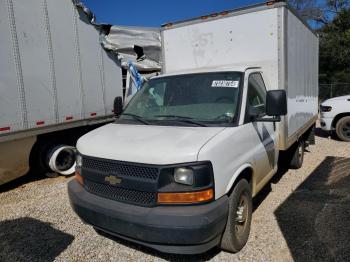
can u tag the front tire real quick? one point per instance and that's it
(343, 129)
(237, 229)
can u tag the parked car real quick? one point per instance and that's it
(179, 168)
(335, 116)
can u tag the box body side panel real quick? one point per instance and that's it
(302, 77)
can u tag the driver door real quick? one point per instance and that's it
(263, 133)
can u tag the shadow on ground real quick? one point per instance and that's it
(28, 239)
(266, 190)
(315, 219)
(31, 176)
(321, 133)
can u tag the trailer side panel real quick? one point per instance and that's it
(33, 49)
(10, 82)
(65, 62)
(54, 73)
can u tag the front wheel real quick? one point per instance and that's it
(237, 229)
(343, 129)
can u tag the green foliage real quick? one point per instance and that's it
(331, 18)
(335, 49)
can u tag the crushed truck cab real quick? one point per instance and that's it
(178, 169)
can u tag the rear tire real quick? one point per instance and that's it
(37, 159)
(237, 229)
(343, 129)
(297, 157)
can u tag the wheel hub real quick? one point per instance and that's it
(241, 214)
(346, 129)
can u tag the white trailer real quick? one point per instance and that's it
(56, 82)
(179, 168)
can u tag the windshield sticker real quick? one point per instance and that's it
(225, 83)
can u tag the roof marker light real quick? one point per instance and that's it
(224, 13)
(168, 25)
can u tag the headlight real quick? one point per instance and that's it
(191, 183)
(183, 175)
(79, 160)
(325, 108)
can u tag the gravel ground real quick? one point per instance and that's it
(302, 215)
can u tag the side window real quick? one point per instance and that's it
(256, 97)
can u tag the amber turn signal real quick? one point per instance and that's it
(79, 178)
(185, 198)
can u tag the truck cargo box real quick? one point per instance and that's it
(270, 36)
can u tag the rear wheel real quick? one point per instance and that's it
(343, 128)
(297, 157)
(38, 155)
(237, 229)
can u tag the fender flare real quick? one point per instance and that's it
(236, 174)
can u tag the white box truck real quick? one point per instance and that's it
(179, 168)
(56, 83)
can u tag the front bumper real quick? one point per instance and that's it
(170, 229)
(326, 123)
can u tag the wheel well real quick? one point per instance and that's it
(246, 174)
(338, 117)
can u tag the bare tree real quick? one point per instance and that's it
(337, 5)
(319, 11)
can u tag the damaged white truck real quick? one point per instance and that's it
(59, 75)
(179, 168)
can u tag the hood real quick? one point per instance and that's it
(336, 99)
(158, 145)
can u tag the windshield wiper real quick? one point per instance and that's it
(138, 118)
(183, 119)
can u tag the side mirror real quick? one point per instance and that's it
(276, 103)
(118, 106)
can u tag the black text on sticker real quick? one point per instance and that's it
(225, 83)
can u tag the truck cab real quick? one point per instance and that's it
(182, 162)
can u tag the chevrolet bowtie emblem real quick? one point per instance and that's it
(113, 180)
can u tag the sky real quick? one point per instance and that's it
(154, 13)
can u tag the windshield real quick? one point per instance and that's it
(197, 98)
